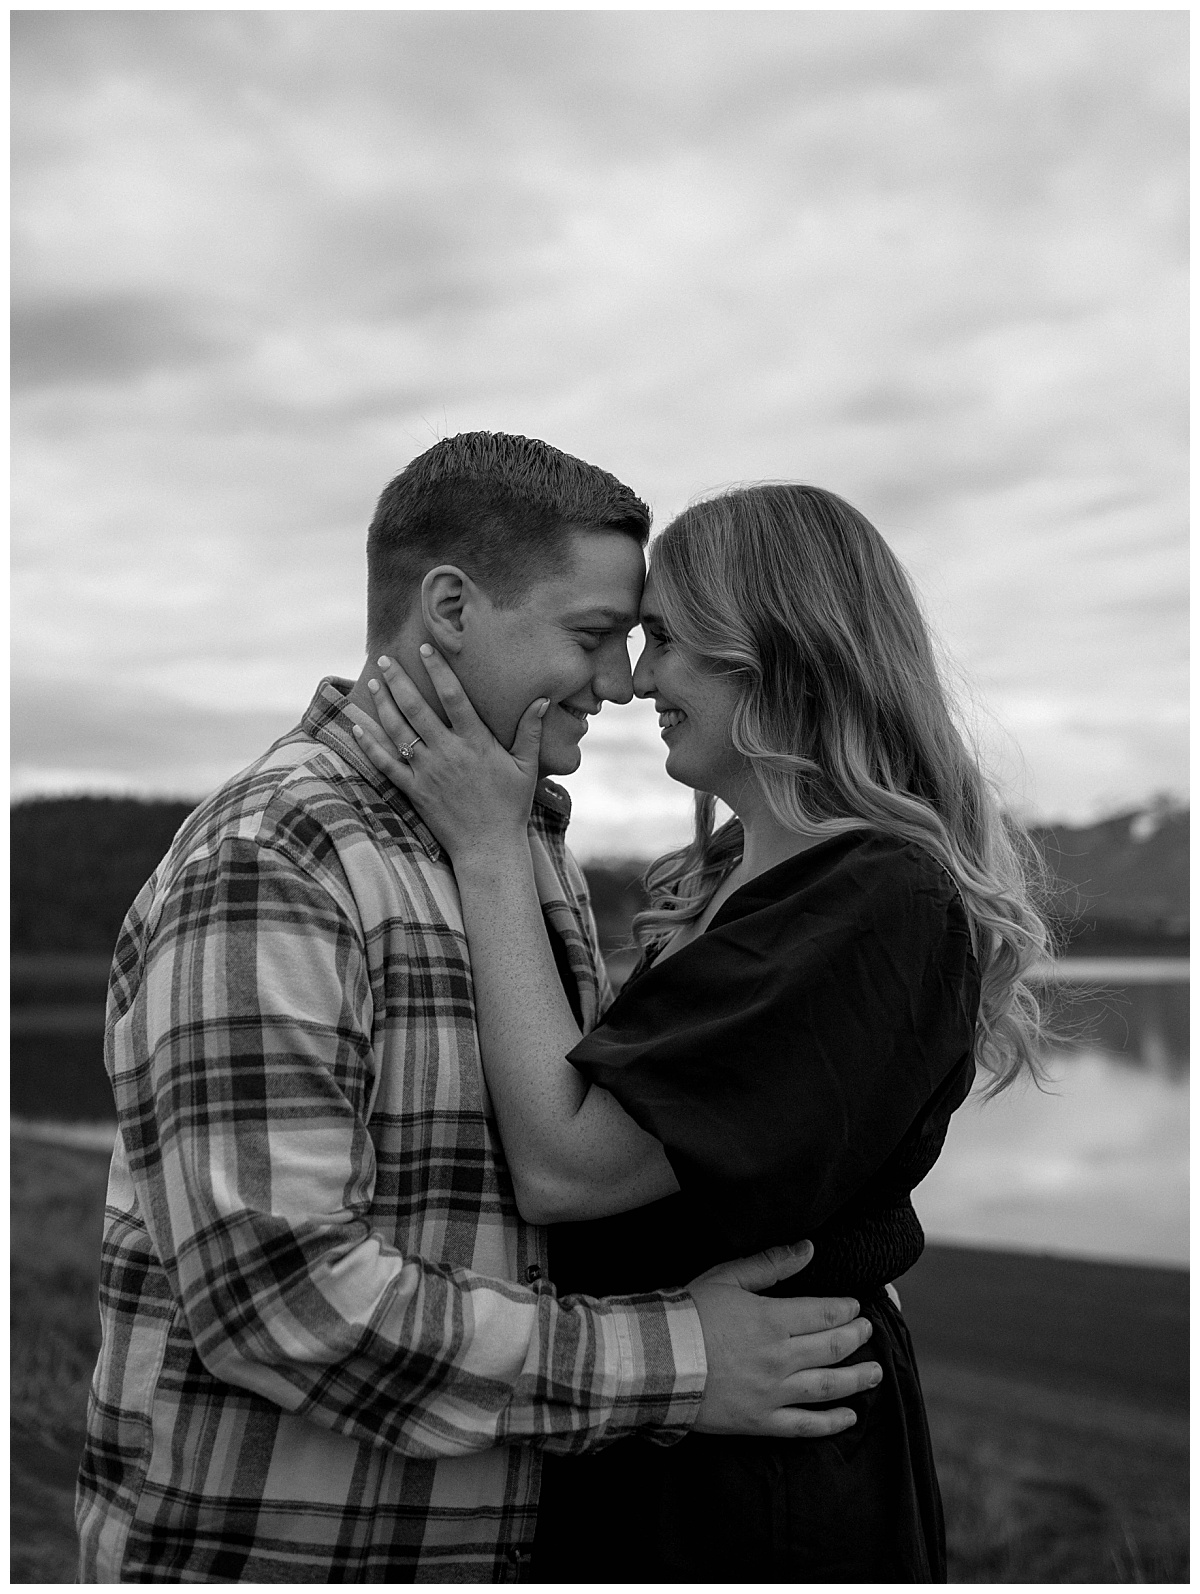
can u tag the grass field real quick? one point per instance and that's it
(1060, 1461)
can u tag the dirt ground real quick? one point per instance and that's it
(1060, 1461)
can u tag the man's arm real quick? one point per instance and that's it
(248, 1066)
(243, 1073)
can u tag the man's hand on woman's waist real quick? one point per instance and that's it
(767, 1358)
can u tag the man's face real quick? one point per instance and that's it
(564, 641)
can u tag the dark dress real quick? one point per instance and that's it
(799, 1061)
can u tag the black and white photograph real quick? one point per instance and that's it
(599, 796)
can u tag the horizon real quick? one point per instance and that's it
(1160, 806)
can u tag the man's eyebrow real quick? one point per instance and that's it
(602, 616)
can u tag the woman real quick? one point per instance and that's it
(821, 976)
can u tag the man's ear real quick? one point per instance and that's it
(445, 593)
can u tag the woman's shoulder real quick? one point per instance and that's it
(883, 895)
(855, 873)
(884, 859)
(897, 883)
(855, 898)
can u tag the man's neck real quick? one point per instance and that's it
(404, 649)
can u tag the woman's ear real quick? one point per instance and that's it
(445, 592)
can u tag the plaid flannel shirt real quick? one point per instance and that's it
(330, 1353)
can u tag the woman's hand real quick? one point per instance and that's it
(473, 794)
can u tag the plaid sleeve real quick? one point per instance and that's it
(243, 1070)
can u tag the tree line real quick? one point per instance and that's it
(1119, 886)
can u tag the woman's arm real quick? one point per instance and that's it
(573, 1151)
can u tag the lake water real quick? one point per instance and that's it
(1096, 1165)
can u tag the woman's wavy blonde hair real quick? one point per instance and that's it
(845, 721)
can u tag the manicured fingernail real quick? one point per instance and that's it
(372, 685)
(543, 706)
(877, 1377)
(357, 729)
(384, 662)
(426, 651)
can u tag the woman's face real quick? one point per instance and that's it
(695, 708)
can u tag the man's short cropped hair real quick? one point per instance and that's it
(499, 508)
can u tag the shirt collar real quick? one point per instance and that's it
(326, 721)
(552, 805)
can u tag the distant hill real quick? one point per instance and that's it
(1124, 881)
(78, 863)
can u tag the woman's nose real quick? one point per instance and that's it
(643, 674)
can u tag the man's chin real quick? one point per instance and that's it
(559, 760)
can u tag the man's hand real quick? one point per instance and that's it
(765, 1357)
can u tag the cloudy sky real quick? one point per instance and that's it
(934, 261)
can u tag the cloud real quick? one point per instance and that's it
(105, 339)
(112, 739)
(934, 261)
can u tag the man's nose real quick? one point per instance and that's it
(613, 680)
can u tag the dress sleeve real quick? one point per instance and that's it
(783, 1055)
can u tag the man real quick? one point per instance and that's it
(330, 1352)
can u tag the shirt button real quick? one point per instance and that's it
(532, 1273)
